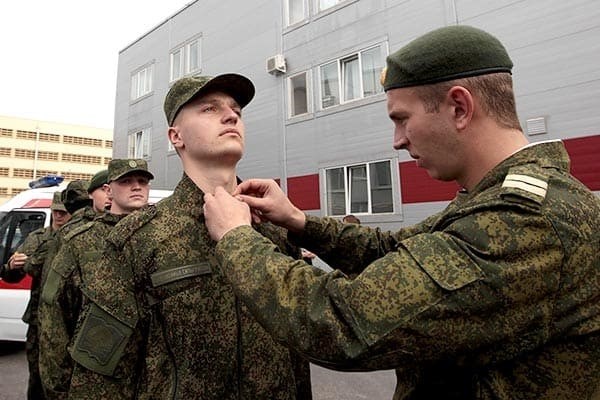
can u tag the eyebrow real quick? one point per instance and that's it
(231, 103)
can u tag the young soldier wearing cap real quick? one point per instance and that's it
(98, 192)
(74, 266)
(28, 259)
(496, 297)
(164, 322)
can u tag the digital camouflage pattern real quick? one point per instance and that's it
(163, 323)
(496, 297)
(35, 247)
(119, 167)
(188, 88)
(81, 248)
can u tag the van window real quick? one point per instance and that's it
(14, 228)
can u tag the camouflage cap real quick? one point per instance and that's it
(185, 89)
(444, 54)
(57, 203)
(118, 168)
(75, 196)
(99, 179)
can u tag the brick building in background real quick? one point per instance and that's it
(30, 149)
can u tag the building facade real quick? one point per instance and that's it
(30, 149)
(318, 123)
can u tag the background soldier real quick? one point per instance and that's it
(164, 322)
(496, 297)
(29, 259)
(98, 192)
(128, 189)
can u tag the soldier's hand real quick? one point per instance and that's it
(17, 260)
(224, 212)
(267, 200)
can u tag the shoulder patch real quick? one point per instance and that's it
(130, 224)
(78, 230)
(527, 182)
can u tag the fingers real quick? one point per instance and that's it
(255, 187)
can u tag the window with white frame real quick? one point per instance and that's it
(352, 77)
(360, 189)
(138, 145)
(295, 11)
(141, 82)
(186, 59)
(298, 94)
(325, 4)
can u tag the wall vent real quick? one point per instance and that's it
(536, 126)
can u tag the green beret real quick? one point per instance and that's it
(99, 179)
(118, 168)
(57, 203)
(186, 89)
(75, 196)
(448, 53)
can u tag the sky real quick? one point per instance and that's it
(58, 58)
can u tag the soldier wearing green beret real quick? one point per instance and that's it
(127, 184)
(98, 192)
(28, 260)
(163, 321)
(495, 297)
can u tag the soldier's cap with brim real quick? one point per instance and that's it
(98, 180)
(184, 90)
(118, 168)
(57, 203)
(445, 54)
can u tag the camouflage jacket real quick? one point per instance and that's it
(163, 323)
(35, 247)
(81, 247)
(496, 297)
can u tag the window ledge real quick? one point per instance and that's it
(351, 105)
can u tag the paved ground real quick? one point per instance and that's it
(13, 371)
(327, 385)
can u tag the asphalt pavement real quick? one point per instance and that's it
(326, 384)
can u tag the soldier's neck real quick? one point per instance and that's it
(209, 177)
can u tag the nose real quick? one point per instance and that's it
(137, 184)
(230, 116)
(400, 141)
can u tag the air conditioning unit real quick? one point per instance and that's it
(276, 64)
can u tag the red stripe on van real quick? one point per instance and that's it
(38, 203)
(303, 191)
(585, 159)
(25, 283)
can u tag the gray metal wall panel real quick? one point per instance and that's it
(553, 44)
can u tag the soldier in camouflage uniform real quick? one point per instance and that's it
(80, 249)
(163, 322)
(29, 259)
(98, 192)
(496, 297)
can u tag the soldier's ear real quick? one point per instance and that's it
(106, 188)
(175, 137)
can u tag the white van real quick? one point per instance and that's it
(24, 213)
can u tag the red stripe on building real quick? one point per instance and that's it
(417, 186)
(585, 159)
(303, 191)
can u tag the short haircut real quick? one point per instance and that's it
(495, 92)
